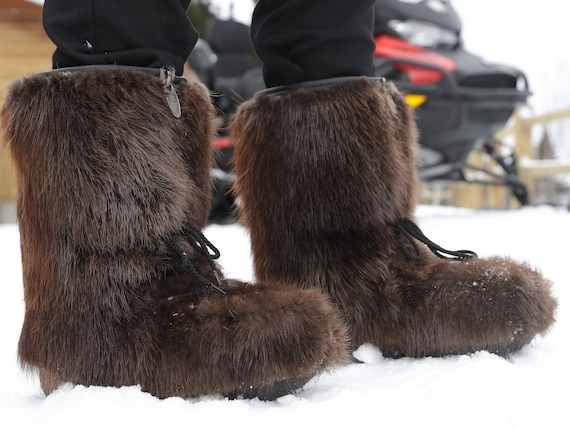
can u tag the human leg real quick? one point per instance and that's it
(299, 40)
(120, 285)
(128, 32)
(326, 180)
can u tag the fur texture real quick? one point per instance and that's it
(323, 175)
(106, 175)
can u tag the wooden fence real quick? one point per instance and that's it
(531, 168)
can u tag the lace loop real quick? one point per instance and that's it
(203, 247)
(407, 232)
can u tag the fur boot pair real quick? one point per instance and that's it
(121, 287)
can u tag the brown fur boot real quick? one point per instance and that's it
(327, 186)
(120, 285)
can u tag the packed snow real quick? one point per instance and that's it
(528, 389)
(482, 390)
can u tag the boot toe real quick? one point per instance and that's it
(256, 341)
(515, 306)
(496, 304)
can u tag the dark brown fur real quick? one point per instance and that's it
(105, 173)
(322, 176)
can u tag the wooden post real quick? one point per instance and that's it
(528, 165)
(522, 131)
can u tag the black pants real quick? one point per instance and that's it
(297, 40)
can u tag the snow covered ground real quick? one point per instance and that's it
(530, 389)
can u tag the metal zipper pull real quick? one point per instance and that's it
(167, 75)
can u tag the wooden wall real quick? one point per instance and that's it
(24, 49)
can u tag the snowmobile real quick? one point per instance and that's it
(460, 99)
(226, 63)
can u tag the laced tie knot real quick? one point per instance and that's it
(407, 232)
(205, 248)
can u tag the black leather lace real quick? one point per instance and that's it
(205, 248)
(408, 232)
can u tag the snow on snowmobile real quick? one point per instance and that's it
(460, 99)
